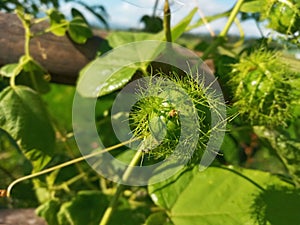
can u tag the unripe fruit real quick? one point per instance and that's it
(171, 111)
(284, 18)
(263, 90)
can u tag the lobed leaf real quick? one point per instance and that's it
(252, 6)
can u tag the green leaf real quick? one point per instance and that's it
(160, 218)
(77, 13)
(114, 69)
(118, 80)
(131, 211)
(180, 28)
(286, 148)
(38, 159)
(79, 31)
(59, 101)
(93, 11)
(24, 116)
(33, 75)
(28, 72)
(252, 6)
(108, 82)
(7, 143)
(85, 208)
(58, 24)
(277, 205)
(49, 211)
(120, 38)
(116, 39)
(164, 194)
(10, 70)
(11, 159)
(214, 196)
(230, 150)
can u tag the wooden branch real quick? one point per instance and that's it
(59, 55)
(14, 216)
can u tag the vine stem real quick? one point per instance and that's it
(167, 21)
(26, 26)
(113, 203)
(231, 18)
(27, 39)
(11, 185)
(225, 30)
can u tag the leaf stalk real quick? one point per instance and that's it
(113, 203)
(221, 37)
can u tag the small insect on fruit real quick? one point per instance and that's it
(3, 193)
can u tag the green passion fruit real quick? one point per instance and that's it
(263, 88)
(284, 17)
(154, 117)
(170, 111)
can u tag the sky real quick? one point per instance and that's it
(124, 14)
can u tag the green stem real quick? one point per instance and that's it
(27, 39)
(66, 184)
(12, 81)
(26, 25)
(17, 71)
(26, 22)
(50, 29)
(113, 203)
(39, 20)
(167, 21)
(225, 30)
(66, 164)
(231, 18)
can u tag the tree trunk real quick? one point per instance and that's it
(59, 55)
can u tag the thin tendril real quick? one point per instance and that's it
(11, 185)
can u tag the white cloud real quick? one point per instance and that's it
(127, 15)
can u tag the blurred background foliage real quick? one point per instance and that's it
(248, 144)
